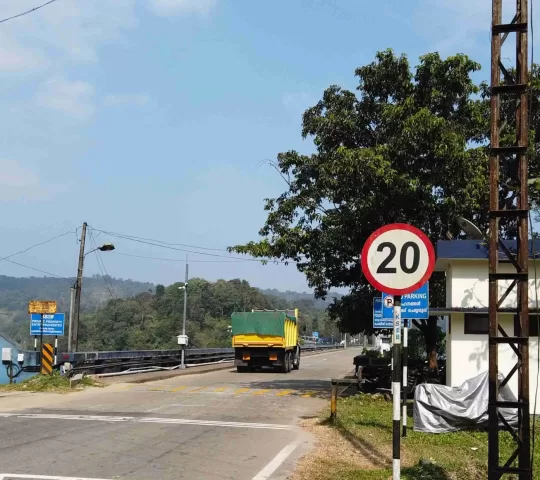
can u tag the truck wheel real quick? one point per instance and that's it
(296, 364)
(289, 362)
(242, 369)
(286, 364)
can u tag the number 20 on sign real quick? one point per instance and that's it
(398, 259)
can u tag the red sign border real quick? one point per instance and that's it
(398, 226)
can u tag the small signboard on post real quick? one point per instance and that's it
(378, 318)
(42, 307)
(414, 305)
(52, 324)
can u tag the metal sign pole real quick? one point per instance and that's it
(396, 390)
(405, 365)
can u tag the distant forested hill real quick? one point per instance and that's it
(293, 297)
(15, 292)
(124, 314)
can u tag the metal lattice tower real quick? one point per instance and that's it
(511, 211)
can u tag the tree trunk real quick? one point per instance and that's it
(430, 336)
(429, 331)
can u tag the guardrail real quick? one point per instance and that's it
(137, 361)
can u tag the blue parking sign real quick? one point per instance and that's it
(414, 305)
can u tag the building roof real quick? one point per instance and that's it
(477, 249)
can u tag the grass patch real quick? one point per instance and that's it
(364, 428)
(48, 383)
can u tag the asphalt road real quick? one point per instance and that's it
(218, 425)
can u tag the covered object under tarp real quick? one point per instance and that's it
(440, 409)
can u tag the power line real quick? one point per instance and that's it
(135, 239)
(28, 11)
(35, 269)
(183, 260)
(37, 245)
(123, 235)
(104, 273)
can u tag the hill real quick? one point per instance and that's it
(293, 297)
(122, 314)
(15, 292)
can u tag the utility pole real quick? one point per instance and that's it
(513, 213)
(78, 287)
(71, 305)
(185, 315)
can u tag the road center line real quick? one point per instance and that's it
(165, 421)
(276, 462)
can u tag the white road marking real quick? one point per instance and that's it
(8, 476)
(167, 421)
(276, 462)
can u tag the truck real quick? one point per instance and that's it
(266, 338)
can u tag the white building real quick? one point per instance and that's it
(466, 265)
(381, 343)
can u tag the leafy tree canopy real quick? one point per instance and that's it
(409, 146)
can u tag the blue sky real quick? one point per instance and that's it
(154, 118)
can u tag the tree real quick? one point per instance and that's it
(409, 147)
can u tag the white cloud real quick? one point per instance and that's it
(174, 7)
(462, 25)
(69, 30)
(137, 99)
(75, 99)
(19, 183)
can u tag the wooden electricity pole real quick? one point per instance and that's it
(510, 210)
(78, 287)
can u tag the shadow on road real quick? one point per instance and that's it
(299, 387)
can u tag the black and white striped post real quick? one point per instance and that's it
(397, 259)
(405, 375)
(396, 390)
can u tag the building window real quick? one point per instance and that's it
(533, 325)
(479, 325)
(476, 324)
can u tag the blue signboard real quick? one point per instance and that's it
(378, 318)
(414, 305)
(52, 324)
(316, 334)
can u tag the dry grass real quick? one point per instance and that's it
(49, 383)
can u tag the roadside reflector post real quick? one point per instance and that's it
(396, 390)
(333, 403)
(47, 359)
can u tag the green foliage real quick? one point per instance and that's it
(49, 383)
(371, 353)
(146, 320)
(149, 321)
(417, 344)
(409, 146)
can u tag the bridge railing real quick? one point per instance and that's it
(119, 361)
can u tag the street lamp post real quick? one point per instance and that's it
(74, 315)
(183, 364)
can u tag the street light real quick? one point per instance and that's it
(73, 334)
(183, 337)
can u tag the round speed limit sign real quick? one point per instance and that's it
(398, 259)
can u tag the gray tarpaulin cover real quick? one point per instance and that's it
(439, 409)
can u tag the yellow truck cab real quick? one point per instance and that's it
(266, 338)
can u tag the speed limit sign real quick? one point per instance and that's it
(398, 259)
